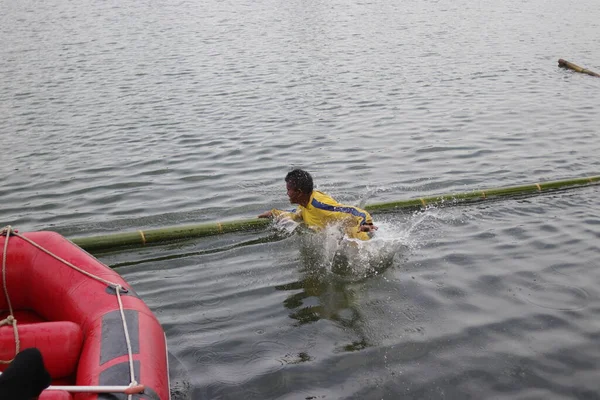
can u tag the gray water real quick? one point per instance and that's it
(118, 116)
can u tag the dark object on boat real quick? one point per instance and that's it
(25, 378)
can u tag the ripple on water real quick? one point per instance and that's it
(208, 307)
(409, 351)
(555, 296)
(223, 367)
(268, 354)
(265, 358)
(205, 338)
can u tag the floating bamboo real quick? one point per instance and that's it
(566, 64)
(140, 238)
(481, 195)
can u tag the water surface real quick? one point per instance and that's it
(117, 116)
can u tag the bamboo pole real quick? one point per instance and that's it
(481, 195)
(577, 68)
(140, 238)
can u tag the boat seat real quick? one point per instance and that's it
(60, 342)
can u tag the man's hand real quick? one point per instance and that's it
(266, 214)
(368, 228)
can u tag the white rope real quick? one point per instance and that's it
(7, 230)
(10, 320)
(127, 341)
(99, 279)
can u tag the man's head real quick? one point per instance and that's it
(299, 185)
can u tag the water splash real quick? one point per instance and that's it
(331, 251)
(286, 225)
(398, 235)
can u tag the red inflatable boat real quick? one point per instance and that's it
(92, 329)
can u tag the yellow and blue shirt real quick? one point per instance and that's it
(323, 210)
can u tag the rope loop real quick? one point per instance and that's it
(10, 320)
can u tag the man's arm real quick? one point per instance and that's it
(266, 214)
(280, 214)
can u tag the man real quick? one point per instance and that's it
(25, 378)
(318, 210)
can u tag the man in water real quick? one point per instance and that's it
(318, 210)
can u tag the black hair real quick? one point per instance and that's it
(300, 180)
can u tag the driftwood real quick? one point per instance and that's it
(569, 65)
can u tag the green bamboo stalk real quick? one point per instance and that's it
(140, 238)
(480, 195)
(577, 68)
